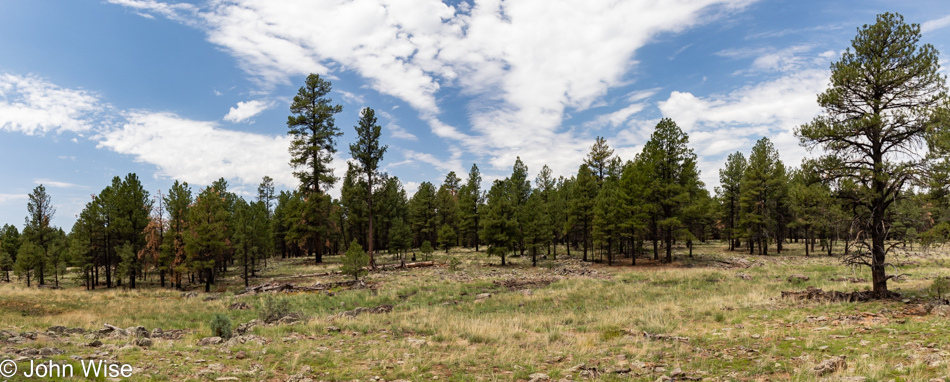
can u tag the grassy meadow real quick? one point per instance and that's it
(695, 319)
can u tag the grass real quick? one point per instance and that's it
(737, 329)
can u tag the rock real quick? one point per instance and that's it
(225, 379)
(676, 372)
(241, 355)
(831, 365)
(143, 342)
(941, 310)
(853, 379)
(239, 340)
(527, 292)
(246, 327)
(240, 305)
(288, 320)
(361, 310)
(56, 329)
(94, 344)
(797, 278)
(75, 331)
(109, 329)
(416, 343)
(157, 333)
(210, 341)
(482, 296)
(210, 298)
(46, 352)
(140, 332)
(744, 276)
(189, 295)
(333, 329)
(538, 377)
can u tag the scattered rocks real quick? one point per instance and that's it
(797, 278)
(377, 310)
(46, 352)
(850, 280)
(812, 293)
(210, 341)
(239, 340)
(831, 365)
(240, 305)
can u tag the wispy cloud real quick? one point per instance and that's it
(200, 152)
(518, 61)
(57, 184)
(932, 25)
(12, 197)
(31, 105)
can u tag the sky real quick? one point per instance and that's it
(196, 91)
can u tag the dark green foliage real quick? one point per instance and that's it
(367, 152)
(471, 201)
(447, 237)
(220, 326)
(423, 213)
(314, 134)
(355, 261)
(426, 249)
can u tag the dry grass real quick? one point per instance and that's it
(737, 329)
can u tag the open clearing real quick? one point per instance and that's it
(717, 316)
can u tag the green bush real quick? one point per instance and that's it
(454, 263)
(355, 261)
(221, 326)
(939, 288)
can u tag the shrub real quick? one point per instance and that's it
(355, 261)
(454, 263)
(273, 309)
(221, 326)
(938, 288)
(426, 249)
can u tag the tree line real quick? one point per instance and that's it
(881, 175)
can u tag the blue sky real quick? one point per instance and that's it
(201, 90)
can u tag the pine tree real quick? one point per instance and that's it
(762, 188)
(730, 180)
(471, 201)
(368, 153)
(206, 244)
(599, 159)
(674, 178)
(886, 108)
(39, 230)
(582, 203)
(422, 211)
(500, 225)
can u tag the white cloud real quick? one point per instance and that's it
(396, 130)
(524, 63)
(932, 25)
(352, 97)
(57, 184)
(721, 124)
(31, 105)
(247, 110)
(199, 152)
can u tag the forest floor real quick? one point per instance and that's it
(718, 316)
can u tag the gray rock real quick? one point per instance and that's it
(94, 344)
(210, 341)
(143, 342)
(941, 310)
(539, 377)
(140, 332)
(831, 365)
(482, 296)
(333, 329)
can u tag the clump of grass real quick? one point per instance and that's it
(274, 308)
(610, 333)
(221, 326)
